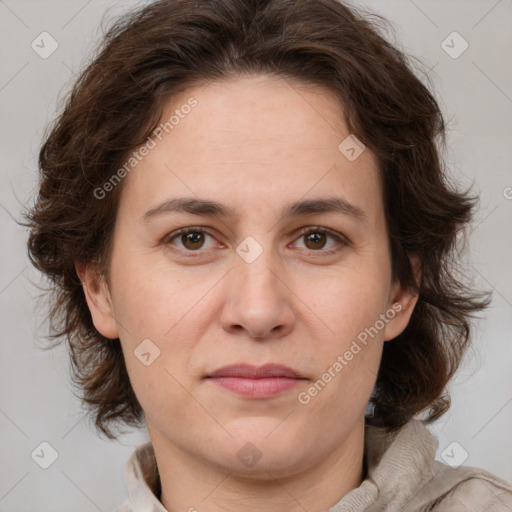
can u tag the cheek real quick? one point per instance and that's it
(346, 302)
(150, 299)
(348, 357)
(157, 341)
(158, 310)
(346, 310)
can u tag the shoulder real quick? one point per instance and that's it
(468, 489)
(407, 476)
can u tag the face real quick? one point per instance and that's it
(290, 267)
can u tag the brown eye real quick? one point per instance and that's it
(321, 240)
(192, 240)
(315, 240)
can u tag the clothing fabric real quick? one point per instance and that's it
(402, 476)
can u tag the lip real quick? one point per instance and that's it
(256, 382)
(249, 371)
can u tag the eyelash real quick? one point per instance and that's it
(311, 229)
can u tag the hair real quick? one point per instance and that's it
(153, 52)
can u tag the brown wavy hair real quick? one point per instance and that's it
(153, 52)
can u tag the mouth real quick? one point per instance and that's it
(254, 382)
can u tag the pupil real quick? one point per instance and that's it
(316, 238)
(194, 239)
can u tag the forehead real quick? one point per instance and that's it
(254, 141)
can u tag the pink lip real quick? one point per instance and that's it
(256, 382)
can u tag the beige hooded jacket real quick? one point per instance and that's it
(403, 476)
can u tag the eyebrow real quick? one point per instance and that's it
(210, 208)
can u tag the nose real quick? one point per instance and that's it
(258, 301)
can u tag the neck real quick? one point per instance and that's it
(193, 485)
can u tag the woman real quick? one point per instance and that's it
(244, 212)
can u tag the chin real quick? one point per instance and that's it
(264, 445)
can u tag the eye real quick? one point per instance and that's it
(192, 239)
(316, 237)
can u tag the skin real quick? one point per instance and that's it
(255, 144)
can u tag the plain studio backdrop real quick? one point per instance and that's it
(466, 44)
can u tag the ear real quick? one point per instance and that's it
(98, 299)
(402, 303)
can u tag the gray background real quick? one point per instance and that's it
(36, 399)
